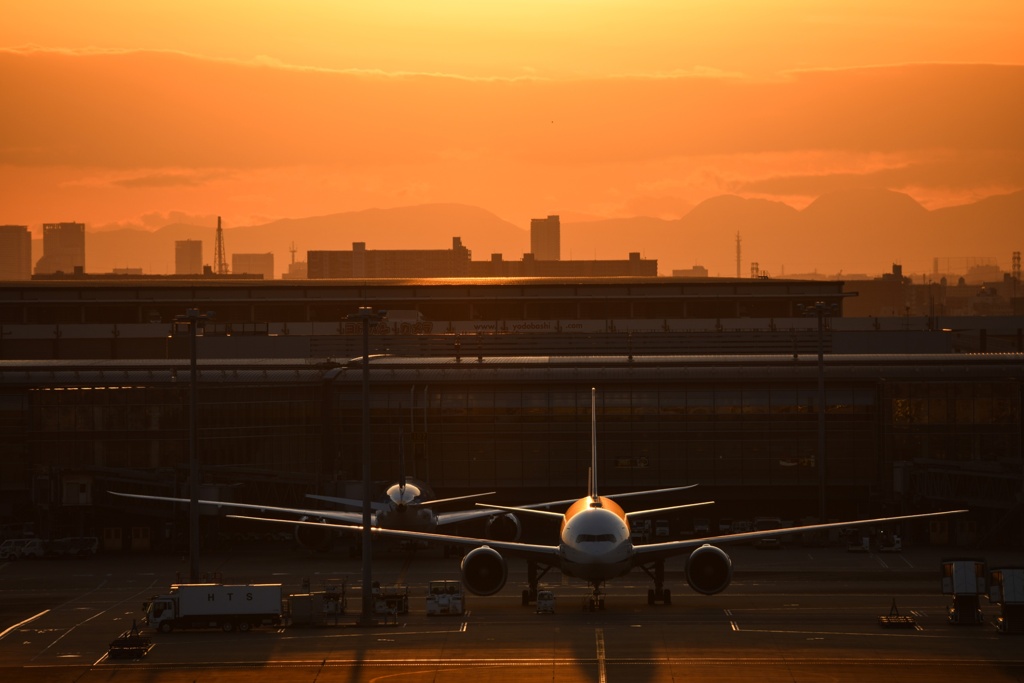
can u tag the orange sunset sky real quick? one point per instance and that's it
(145, 113)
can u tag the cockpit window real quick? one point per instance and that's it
(595, 538)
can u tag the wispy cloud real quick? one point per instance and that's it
(180, 179)
(142, 122)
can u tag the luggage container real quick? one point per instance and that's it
(965, 580)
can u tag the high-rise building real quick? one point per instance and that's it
(253, 264)
(63, 248)
(546, 238)
(15, 252)
(188, 257)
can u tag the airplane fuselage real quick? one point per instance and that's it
(407, 518)
(404, 510)
(595, 543)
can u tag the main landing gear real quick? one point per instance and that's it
(659, 593)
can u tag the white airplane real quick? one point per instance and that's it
(408, 506)
(595, 545)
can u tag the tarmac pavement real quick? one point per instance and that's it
(793, 614)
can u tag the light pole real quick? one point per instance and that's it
(192, 319)
(821, 310)
(366, 316)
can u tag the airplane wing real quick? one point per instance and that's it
(528, 510)
(442, 517)
(658, 511)
(354, 502)
(660, 551)
(457, 516)
(334, 515)
(528, 551)
(382, 506)
(445, 501)
(647, 492)
(541, 507)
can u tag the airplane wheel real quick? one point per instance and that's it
(668, 597)
(227, 626)
(650, 596)
(166, 627)
(244, 626)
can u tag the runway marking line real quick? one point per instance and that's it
(547, 662)
(20, 624)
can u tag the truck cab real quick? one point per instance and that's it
(159, 613)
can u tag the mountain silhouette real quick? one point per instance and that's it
(853, 231)
(430, 226)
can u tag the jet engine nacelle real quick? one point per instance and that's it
(504, 527)
(315, 538)
(484, 571)
(708, 570)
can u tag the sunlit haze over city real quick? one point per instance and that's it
(140, 115)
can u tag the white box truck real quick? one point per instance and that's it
(214, 605)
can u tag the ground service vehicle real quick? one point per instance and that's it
(545, 602)
(130, 644)
(212, 605)
(445, 597)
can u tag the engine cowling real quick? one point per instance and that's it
(315, 538)
(503, 527)
(708, 570)
(484, 571)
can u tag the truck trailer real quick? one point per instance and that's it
(213, 605)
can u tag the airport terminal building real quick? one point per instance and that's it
(484, 385)
(903, 434)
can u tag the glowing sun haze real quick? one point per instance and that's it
(126, 112)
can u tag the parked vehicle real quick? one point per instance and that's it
(445, 597)
(211, 605)
(35, 548)
(22, 548)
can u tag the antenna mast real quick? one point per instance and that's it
(737, 254)
(220, 263)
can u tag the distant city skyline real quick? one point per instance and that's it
(153, 114)
(872, 232)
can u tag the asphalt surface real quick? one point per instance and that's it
(793, 614)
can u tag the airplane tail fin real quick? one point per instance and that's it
(592, 473)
